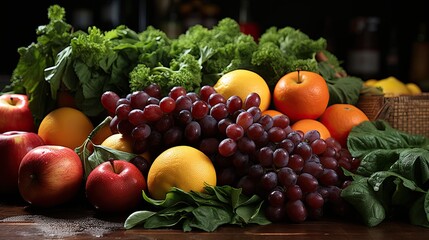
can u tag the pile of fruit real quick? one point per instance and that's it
(212, 137)
(241, 150)
(296, 172)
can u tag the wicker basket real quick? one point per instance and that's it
(408, 113)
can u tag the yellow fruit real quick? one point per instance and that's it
(391, 86)
(118, 142)
(241, 83)
(184, 167)
(370, 82)
(65, 126)
(413, 88)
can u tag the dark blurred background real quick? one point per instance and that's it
(373, 39)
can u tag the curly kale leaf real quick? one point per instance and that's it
(219, 50)
(234, 55)
(293, 42)
(284, 50)
(154, 47)
(182, 71)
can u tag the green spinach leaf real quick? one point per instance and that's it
(217, 206)
(393, 176)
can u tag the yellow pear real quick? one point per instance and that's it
(391, 86)
(413, 88)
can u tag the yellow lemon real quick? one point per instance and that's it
(241, 83)
(184, 167)
(121, 143)
(370, 82)
(391, 86)
(414, 88)
(118, 142)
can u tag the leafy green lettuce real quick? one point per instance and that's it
(93, 63)
(28, 77)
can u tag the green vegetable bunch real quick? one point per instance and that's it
(392, 180)
(198, 57)
(93, 63)
(86, 64)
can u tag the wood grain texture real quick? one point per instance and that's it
(18, 221)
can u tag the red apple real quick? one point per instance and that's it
(13, 147)
(15, 113)
(50, 175)
(115, 186)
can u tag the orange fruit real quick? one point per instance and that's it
(241, 83)
(306, 125)
(119, 142)
(184, 167)
(65, 126)
(301, 95)
(271, 112)
(340, 119)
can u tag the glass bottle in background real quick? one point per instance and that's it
(363, 59)
(192, 12)
(172, 23)
(211, 13)
(199, 12)
(419, 63)
(247, 25)
(391, 58)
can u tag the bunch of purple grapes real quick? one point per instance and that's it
(299, 175)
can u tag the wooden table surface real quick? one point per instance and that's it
(19, 221)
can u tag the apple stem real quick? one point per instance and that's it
(299, 77)
(113, 165)
(12, 100)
